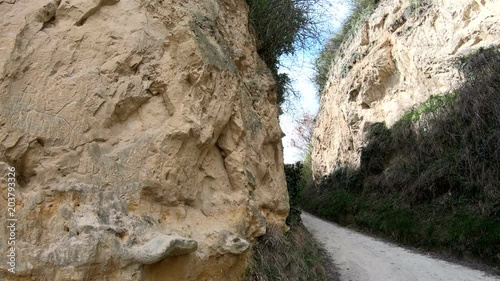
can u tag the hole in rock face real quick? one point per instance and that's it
(50, 22)
(26, 165)
(23, 181)
(364, 105)
(121, 235)
(236, 240)
(41, 142)
(66, 229)
(353, 95)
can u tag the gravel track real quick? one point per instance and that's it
(363, 258)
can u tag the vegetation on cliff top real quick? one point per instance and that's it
(433, 179)
(360, 10)
(332, 50)
(282, 27)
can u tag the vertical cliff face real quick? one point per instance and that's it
(144, 135)
(403, 53)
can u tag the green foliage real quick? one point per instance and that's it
(282, 26)
(289, 256)
(293, 177)
(431, 105)
(361, 9)
(432, 179)
(283, 86)
(306, 172)
(298, 177)
(324, 61)
(343, 178)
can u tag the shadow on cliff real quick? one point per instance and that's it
(432, 179)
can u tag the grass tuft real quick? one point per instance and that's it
(294, 255)
(282, 27)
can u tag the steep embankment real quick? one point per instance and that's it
(406, 143)
(145, 139)
(400, 56)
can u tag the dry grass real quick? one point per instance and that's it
(291, 256)
(282, 28)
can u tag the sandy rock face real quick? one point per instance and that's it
(400, 56)
(144, 135)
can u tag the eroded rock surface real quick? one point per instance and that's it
(405, 52)
(142, 132)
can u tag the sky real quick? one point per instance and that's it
(300, 69)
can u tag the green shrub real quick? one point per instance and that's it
(323, 63)
(293, 178)
(298, 178)
(342, 178)
(282, 26)
(433, 105)
(306, 175)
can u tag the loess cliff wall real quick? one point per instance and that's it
(403, 53)
(145, 139)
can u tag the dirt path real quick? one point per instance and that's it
(363, 258)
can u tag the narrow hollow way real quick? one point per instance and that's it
(360, 257)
